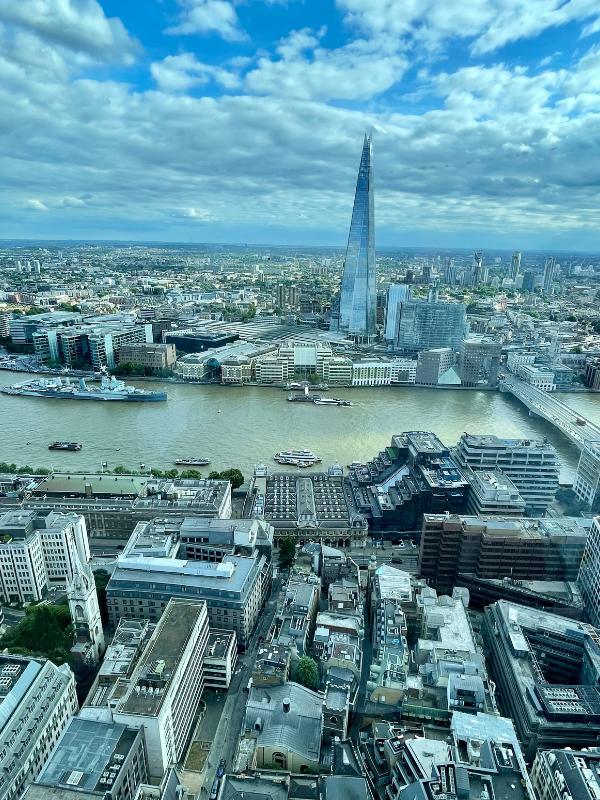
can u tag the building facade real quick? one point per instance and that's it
(358, 298)
(37, 700)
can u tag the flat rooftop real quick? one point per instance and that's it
(88, 756)
(156, 668)
(219, 643)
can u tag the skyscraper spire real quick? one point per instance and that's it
(358, 297)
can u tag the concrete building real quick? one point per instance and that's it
(436, 367)
(372, 372)
(425, 325)
(96, 345)
(587, 479)
(494, 548)
(547, 671)
(589, 574)
(38, 551)
(404, 371)
(220, 659)
(556, 774)
(93, 760)
(306, 508)
(112, 505)
(286, 723)
(414, 475)
(532, 465)
(493, 493)
(156, 566)
(164, 691)
(482, 758)
(294, 622)
(37, 700)
(272, 665)
(153, 356)
(479, 363)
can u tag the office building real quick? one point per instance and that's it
(37, 700)
(414, 475)
(95, 345)
(198, 341)
(23, 327)
(306, 508)
(436, 367)
(156, 566)
(549, 271)
(403, 371)
(358, 296)
(515, 265)
(92, 759)
(164, 691)
(449, 271)
(558, 774)
(397, 294)
(493, 493)
(38, 551)
(587, 479)
(547, 672)
(456, 546)
(529, 281)
(426, 325)
(151, 356)
(479, 270)
(592, 375)
(589, 574)
(479, 363)
(112, 505)
(371, 372)
(532, 465)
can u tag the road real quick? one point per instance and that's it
(227, 736)
(545, 405)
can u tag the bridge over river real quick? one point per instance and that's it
(545, 404)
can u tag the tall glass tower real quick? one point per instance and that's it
(358, 297)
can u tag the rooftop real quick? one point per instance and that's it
(88, 756)
(155, 671)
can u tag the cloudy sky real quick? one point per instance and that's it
(242, 120)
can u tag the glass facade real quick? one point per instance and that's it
(397, 293)
(425, 326)
(358, 298)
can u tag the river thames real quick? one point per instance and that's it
(243, 426)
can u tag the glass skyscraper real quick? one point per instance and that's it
(358, 297)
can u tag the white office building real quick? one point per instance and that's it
(37, 699)
(38, 551)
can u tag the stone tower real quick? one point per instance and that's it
(85, 611)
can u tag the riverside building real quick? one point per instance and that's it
(112, 505)
(532, 465)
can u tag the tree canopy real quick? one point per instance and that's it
(307, 673)
(287, 552)
(46, 630)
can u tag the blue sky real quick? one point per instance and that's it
(242, 120)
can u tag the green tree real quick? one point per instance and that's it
(234, 476)
(287, 552)
(307, 673)
(191, 473)
(46, 630)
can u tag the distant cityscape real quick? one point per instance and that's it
(421, 624)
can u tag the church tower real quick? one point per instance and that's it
(85, 611)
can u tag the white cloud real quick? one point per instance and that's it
(199, 214)
(183, 72)
(77, 25)
(357, 71)
(208, 17)
(33, 204)
(490, 23)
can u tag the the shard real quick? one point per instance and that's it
(358, 297)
